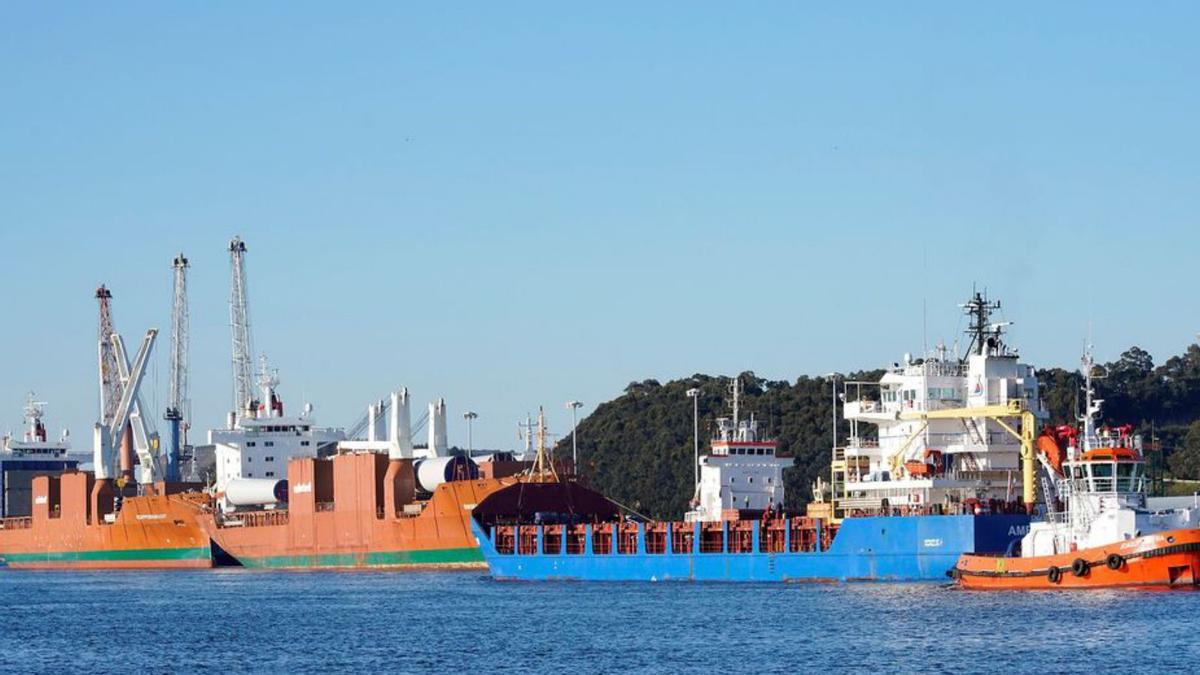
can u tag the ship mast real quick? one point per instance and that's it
(1091, 403)
(543, 468)
(985, 335)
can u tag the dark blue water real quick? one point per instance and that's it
(242, 621)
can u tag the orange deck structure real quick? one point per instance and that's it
(357, 510)
(74, 524)
(1165, 559)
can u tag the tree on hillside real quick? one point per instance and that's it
(1185, 462)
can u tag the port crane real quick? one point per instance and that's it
(178, 415)
(114, 371)
(110, 434)
(239, 322)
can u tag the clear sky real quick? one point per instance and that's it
(514, 204)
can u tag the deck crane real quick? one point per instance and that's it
(109, 434)
(110, 382)
(177, 414)
(114, 372)
(239, 321)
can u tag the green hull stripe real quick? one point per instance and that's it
(443, 556)
(115, 555)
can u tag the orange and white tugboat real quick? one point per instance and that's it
(1107, 535)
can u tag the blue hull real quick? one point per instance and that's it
(877, 548)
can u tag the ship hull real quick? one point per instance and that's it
(878, 548)
(347, 528)
(149, 532)
(1168, 559)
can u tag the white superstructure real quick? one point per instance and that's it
(33, 453)
(742, 472)
(33, 443)
(259, 442)
(929, 452)
(1101, 482)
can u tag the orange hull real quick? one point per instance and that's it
(336, 519)
(149, 532)
(1168, 559)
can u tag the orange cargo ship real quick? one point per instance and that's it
(75, 524)
(357, 510)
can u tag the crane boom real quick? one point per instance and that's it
(239, 321)
(110, 379)
(108, 434)
(177, 405)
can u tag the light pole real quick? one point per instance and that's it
(694, 394)
(833, 399)
(470, 417)
(574, 406)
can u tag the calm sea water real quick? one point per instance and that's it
(243, 621)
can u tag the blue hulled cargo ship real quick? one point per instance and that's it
(873, 548)
(938, 461)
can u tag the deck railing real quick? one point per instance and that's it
(774, 535)
(18, 523)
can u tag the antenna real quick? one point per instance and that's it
(985, 335)
(239, 321)
(177, 404)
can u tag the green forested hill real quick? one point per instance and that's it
(637, 448)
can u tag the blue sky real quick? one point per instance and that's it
(518, 204)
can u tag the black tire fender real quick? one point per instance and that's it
(1114, 561)
(1080, 567)
(1054, 574)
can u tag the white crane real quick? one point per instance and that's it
(114, 374)
(178, 404)
(108, 435)
(239, 321)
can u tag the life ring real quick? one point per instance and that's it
(1054, 574)
(1114, 561)
(1080, 567)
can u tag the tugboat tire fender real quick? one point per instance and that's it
(1054, 574)
(1114, 561)
(1080, 567)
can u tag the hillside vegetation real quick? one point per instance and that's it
(637, 448)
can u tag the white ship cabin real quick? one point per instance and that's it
(33, 454)
(34, 444)
(742, 475)
(259, 443)
(922, 463)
